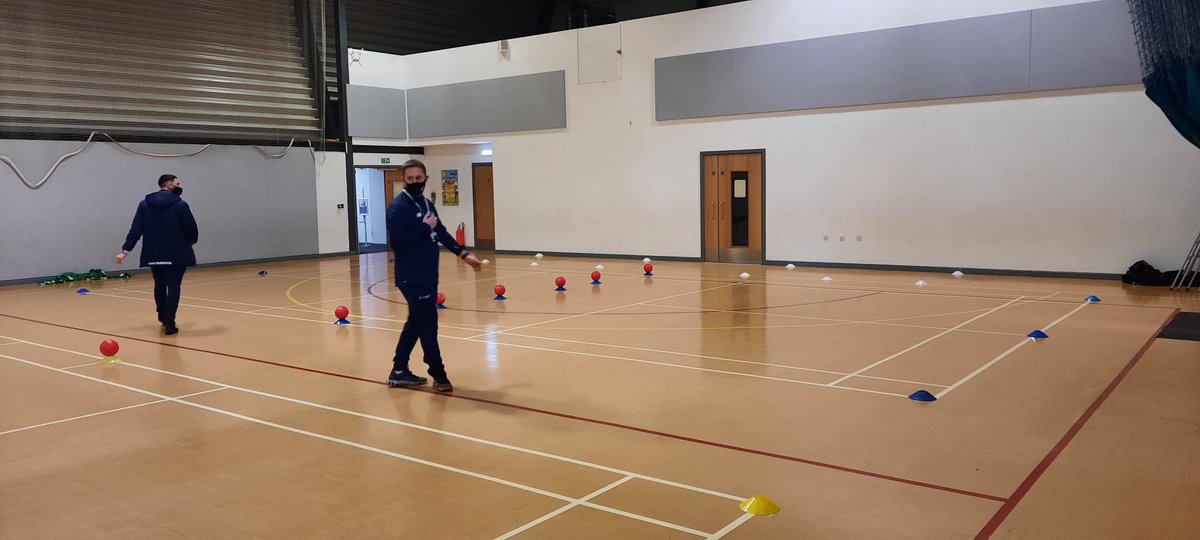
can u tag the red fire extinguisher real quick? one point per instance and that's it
(460, 235)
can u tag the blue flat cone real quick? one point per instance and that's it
(1037, 334)
(500, 297)
(441, 307)
(83, 291)
(595, 282)
(561, 289)
(921, 395)
(649, 274)
(262, 272)
(342, 321)
(1092, 299)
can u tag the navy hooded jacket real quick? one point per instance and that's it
(415, 246)
(169, 230)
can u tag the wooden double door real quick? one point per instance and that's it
(733, 206)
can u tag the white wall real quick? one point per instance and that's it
(368, 159)
(1085, 181)
(247, 205)
(455, 156)
(333, 234)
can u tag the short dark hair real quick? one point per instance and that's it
(414, 163)
(165, 178)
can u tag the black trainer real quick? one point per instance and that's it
(442, 385)
(170, 329)
(405, 378)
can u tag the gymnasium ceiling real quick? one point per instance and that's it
(414, 26)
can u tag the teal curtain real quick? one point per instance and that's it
(1177, 92)
(1168, 42)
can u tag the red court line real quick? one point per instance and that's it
(550, 413)
(1036, 474)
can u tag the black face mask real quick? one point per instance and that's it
(415, 189)
(177, 191)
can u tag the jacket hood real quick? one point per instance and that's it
(162, 199)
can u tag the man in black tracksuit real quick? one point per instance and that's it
(414, 232)
(167, 225)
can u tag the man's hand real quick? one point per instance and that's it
(474, 262)
(120, 258)
(431, 220)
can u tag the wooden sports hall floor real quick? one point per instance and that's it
(639, 408)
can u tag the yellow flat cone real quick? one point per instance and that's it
(110, 360)
(759, 505)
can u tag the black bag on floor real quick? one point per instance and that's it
(1142, 273)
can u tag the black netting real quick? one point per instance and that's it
(1168, 33)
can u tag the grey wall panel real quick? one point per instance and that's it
(693, 85)
(247, 206)
(873, 67)
(775, 77)
(1084, 45)
(1074, 46)
(970, 57)
(520, 103)
(376, 112)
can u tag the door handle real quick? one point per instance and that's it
(722, 209)
(713, 212)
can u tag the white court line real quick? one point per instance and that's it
(733, 525)
(221, 279)
(300, 307)
(1030, 301)
(196, 282)
(373, 449)
(693, 368)
(603, 310)
(501, 343)
(845, 376)
(360, 318)
(304, 279)
(1004, 354)
(443, 286)
(322, 276)
(897, 286)
(828, 321)
(261, 307)
(547, 517)
(420, 427)
(81, 365)
(960, 325)
(818, 287)
(243, 312)
(289, 306)
(264, 306)
(82, 416)
(720, 358)
(292, 308)
(640, 517)
(1040, 298)
(311, 308)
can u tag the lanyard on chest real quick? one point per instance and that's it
(421, 214)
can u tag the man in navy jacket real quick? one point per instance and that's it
(169, 230)
(414, 232)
